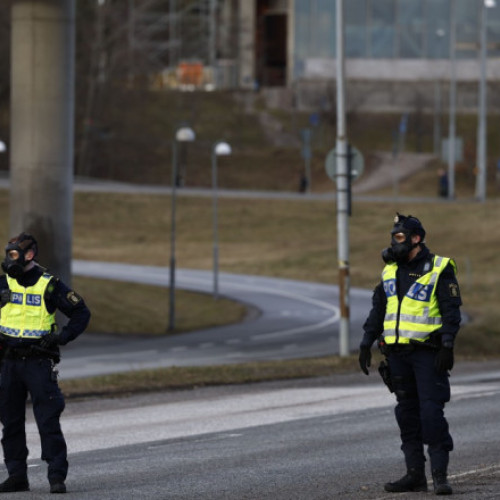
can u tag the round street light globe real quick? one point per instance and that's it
(185, 134)
(222, 149)
(3, 147)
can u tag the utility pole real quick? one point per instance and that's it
(481, 129)
(342, 188)
(453, 99)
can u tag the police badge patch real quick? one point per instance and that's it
(73, 298)
(454, 291)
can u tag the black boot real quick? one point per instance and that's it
(57, 485)
(441, 485)
(414, 480)
(14, 483)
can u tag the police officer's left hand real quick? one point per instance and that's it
(4, 296)
(444, 358)
(50, 340)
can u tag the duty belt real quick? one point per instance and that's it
(31, 352)
(410, 347)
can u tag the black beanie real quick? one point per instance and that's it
(409, 223)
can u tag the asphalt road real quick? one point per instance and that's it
(290, 319)
(329, 438)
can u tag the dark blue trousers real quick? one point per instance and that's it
(421, 392)
(20, 377)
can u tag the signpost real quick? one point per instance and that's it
(355, 167)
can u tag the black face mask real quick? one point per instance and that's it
(14, 262)
(399, 251)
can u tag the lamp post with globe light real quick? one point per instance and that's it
(183, 134)
(220, 148)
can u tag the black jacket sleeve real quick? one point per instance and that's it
(71, 305)
(449, 300)
(374, 325)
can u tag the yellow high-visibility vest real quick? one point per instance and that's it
(418, 314)
(26, 315)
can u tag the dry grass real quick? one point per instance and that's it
(136, 309)
(297, 239)
(290, 239)
(202, 376)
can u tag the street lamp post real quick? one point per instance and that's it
(220, 148)
(182, 134)
(453, 102)
(482, 123)
(3, 147)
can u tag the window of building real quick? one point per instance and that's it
(355, 12)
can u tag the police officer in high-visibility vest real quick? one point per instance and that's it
(415, 316)
(30, 341)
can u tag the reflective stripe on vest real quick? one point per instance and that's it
(26, 315)
(418, 315)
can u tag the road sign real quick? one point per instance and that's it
(357, 164)
(314, 119)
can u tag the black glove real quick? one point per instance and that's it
(365, 359)
(444, 358)
(4, 296)
(50, 340)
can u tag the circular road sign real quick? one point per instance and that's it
(357, 164)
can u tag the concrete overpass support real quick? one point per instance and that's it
(42, 116)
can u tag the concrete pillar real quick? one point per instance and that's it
(246, 21)
(42, 115)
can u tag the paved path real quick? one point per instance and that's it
(295, 319)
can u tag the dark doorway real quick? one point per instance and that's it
(271, 44)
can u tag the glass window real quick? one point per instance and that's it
(467, 15)
(437, 10)
(410, 28)
(467, 11)
(410, 11)
(410, 40)
(383, 12)
(467, 38)
(355, 28)
(381, 42)
(324, 30)
(302, 29)
(355, 41)
(438, 39)
(493, 33)
(437, 35)
(355, 12)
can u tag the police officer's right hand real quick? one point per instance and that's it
(365, 358)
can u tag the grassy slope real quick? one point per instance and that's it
(298, 240)
(276, 238)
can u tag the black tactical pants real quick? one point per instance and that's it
(20, 377)
(421, 393)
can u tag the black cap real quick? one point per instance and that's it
(24, 241)
(408, 223)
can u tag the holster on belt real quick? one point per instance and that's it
(385, 373)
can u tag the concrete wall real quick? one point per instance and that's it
(410, 70)
(391, 96)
